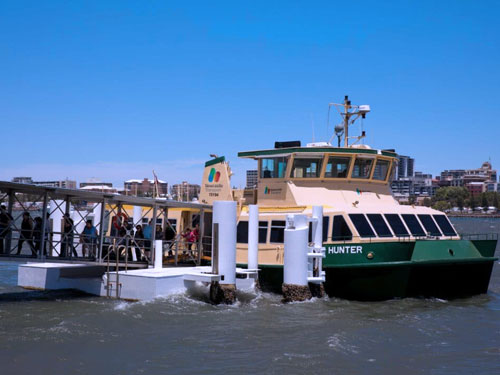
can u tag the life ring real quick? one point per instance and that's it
(124, 217)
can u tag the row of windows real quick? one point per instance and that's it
(336, 167)
(435, 225)
(369, 225)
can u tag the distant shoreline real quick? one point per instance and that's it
(484, 216)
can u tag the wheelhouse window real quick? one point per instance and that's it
(263, 225)
(337, 167)
(306, 168)
(413, 224)
(379, 225)
(341, 230)
(273, 167)
(381, 170)
(362, 226)
(277, 231)
(362, 168)
(445, 225)
(429, 225)
(242, 232)
(397, 225)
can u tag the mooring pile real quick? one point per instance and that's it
(303, 274)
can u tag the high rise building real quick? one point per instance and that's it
(405, 166)
(252, 177)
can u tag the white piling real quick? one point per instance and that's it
(224, 215)
(316, 273)
(317, 213)
(158, 254)
(253, 237)
(56, 214)
(295, 270)
(295, 260)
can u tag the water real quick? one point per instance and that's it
(61, 333)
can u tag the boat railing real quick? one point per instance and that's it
(407, 238)
(480, 236)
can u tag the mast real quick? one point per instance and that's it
(350, 113)
(347, 115)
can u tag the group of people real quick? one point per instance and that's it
(31, 234)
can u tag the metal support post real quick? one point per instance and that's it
(44, 226)
(101, 231)
(153, 237)
(9, 233)
(202, 232)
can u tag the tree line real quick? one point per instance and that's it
(454, 196)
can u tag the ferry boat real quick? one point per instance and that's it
(376, 248)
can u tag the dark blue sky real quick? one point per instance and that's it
(115, 89)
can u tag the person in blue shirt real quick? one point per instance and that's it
(147, 232)
(89, 239)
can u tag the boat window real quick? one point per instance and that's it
(397, 225)
(337, 167)
(412, 223)
(278, 231)
(306, 168)
(362, 226)
(341, 231)
(381, 170)
(393, 172)
(429, 225)
(273, 168)
(445, 225)
(362, 168)
(242, 232)
(379, 225)
(263, 231)
(326, 222)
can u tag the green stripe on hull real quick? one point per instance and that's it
(433, 268)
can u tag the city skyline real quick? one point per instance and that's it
(115, 91)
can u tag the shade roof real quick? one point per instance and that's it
(328, 149)
(94, 196)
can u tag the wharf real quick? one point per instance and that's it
(138, 284)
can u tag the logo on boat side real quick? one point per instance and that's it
(272, 191)
(345, 249)
(213, 176)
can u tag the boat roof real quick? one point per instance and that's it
(324, 149)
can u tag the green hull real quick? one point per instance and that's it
(378, 271)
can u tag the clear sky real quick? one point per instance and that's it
(114, 89)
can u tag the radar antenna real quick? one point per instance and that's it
(349, 113)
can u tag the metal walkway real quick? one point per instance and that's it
(56, 233)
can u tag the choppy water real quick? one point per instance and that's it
(61, 333)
